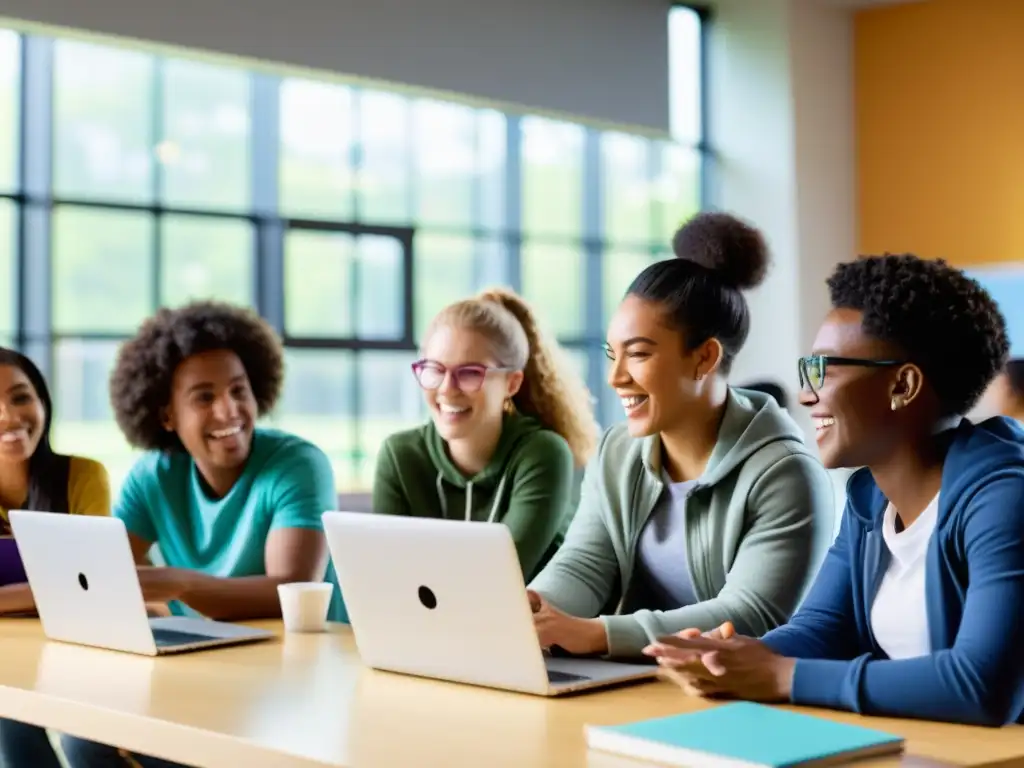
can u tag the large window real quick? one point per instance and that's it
(346, 216)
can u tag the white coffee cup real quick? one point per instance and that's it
(304, 605)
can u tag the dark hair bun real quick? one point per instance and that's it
(724, 244)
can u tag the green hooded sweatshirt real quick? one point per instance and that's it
(757, 527)
(528, 484)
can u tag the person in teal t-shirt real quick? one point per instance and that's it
(233, 509)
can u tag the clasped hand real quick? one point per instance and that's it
(722, 663)
(162, 585)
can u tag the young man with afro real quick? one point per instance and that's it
(916, 611)
(235, 508)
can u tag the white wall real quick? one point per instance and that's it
(781, 119)
(602, 59)
(781, 101)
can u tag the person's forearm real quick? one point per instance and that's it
(16, 598)
(235, 599)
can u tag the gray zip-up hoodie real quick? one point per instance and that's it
(757, 527)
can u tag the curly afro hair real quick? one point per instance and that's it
(140, 385)
(942, 320)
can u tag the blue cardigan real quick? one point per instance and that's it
(974, 590)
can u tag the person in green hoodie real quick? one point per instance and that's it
(510, 423)
(706, 504)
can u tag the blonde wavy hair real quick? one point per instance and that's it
(552, 391)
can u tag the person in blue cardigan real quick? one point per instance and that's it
(917, 609)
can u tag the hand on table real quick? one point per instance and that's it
(554, 627)
(162, 585)
(722, 663)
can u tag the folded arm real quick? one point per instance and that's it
(980, 680)
(539, 498)
(580, 578)
(788, 505)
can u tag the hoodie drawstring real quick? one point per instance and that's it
(469, 499)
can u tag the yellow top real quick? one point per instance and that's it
(88, 489)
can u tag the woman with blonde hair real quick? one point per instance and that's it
(510, 424)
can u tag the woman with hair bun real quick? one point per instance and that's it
(510, 423)
(706, 504)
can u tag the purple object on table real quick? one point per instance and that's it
(11, 569)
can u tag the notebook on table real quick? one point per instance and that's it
(743, 735)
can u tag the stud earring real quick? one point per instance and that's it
(894, 404)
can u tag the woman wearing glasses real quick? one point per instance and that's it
(917, 609)
(509, 423)
(706, 504)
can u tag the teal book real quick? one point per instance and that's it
(742, 735)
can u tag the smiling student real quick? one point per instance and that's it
(917, 609)
(509, 423)
(234, 508)
(35, 477)
(706, 504)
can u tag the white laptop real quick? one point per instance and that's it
(446, 599)
(86, 589)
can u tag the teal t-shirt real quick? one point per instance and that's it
(287, 483)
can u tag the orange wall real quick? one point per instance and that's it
(939, 88)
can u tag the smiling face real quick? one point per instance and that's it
(459, 404)
(22, 415)
(852, 410)
(213, 411)
(650, 369)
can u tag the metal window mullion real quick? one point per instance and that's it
(157, 109)
(34, 316)
(264, 178)
(593, 255)
(514, 202)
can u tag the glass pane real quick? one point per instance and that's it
(445, 269)
(317, 404)
(102, 270)
(316, 150)
(86, 423)
(10, 79)
(626, 183)
(492, 144)
(684, 62)
(205, 146)
(620, 269)
(552, 280)
(445, 140)
(389, 401)
(678, 187)
(8, 269)
(206, 258)
(552, 177)
(383, 184)
(103, 128)
(340, 286)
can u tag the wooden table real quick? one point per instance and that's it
(305, 701)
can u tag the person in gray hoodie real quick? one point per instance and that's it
(706, 505)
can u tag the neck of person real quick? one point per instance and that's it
(687, 446)
(912, 475)
(220, 480)
(14, 479)
(473, 453)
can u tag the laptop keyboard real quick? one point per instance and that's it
(169, 638)
(564, 677)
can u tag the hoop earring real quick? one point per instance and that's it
(510, 407)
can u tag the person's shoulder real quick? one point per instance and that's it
(82, 468)
(275, 447)
(406, 441)
(157, 467)
(543, 446)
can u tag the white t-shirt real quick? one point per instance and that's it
(899, 617)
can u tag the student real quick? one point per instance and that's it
(509, 422)
(235, 508)
(917, 609)
(706, 503)
(33, 476)
(1005, 395)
